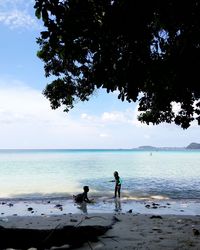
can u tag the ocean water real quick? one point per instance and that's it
(62, 173)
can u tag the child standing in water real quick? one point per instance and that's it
(118, 183)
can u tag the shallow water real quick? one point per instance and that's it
(61, 173)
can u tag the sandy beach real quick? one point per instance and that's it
(59, 224)
(102, 231)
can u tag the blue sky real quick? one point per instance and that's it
(26, 119)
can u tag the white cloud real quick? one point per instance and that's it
(85, 116)
(104, 135)
(18, 19)
(27, 121)
(14, 4)
(19, 103)
(128, 116)
(17, 14)
(114, 117)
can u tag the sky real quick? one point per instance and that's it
(26, 118)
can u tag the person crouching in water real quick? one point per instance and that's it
(118, 183)
(79, 198)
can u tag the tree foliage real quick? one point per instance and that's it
(147, 50)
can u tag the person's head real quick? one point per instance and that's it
(115, 174)
(86, 189)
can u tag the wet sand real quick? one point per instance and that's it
(123, 224)
(41, 207)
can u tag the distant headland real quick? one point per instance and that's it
(192, 146)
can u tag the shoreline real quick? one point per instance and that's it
(60, 206)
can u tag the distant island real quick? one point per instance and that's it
(192, 145)
(147, 147)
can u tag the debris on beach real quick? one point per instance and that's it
(73, 220)
(156, 205)
(157, 229)
(195, 231)
(156, 217)
(59, 206)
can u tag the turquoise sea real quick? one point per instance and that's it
(61, 173)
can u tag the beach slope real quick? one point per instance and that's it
(101, 231)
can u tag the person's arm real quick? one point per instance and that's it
(86, 198)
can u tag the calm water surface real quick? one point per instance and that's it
(61, 173)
